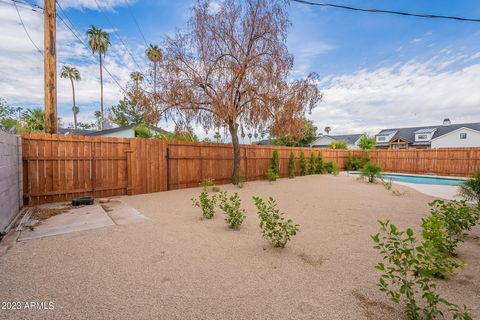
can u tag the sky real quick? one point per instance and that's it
(376, 70)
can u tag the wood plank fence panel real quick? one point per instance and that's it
(59, 168)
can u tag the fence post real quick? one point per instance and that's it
(167, 157)
(20, 172)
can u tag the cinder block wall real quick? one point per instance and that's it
(10, 178)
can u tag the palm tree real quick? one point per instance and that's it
(154, 54)
(327, 130)
(217, 136)
(99, 117)
(99, 41)
(33, 120)
(137, 77)
(73, 74)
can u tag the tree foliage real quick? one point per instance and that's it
(126, 112)
(231, 67)
(367, 143)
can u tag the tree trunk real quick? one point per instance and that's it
(101, 92)
(237, 176)
(74, 109)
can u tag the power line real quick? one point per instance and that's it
(418, 15)
(25, 28)
(71, 28)
(116, 34)
(21, 5)
(138, 27)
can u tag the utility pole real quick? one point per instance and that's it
(50, 65)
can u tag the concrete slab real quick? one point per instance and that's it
(78, 219)
(121, 213)
(443, 192)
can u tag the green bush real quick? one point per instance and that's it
(371, 171)
(367, 143)
(303, 164)
(406, 275)
(470, 189)
(142, 131)
(457, 217)
(331, 167)
(215, 189)
(319, 166)
(311, 165)
(355, 163)
(291, 166)
(273, 224)
(231, 208)
(207, 182)
(341, 144)
(434, 235)
(206, 203)
(275, 162)
(272, 175)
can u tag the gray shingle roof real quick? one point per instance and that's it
(440, 130)
(350, 138)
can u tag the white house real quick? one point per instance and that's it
(460, 138)
(119, 132)
(447, 135)
(324, 141)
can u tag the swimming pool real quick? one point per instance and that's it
(421, 179)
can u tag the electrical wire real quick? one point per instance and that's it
(25, 28)
(116, 34)
(71, 28)
(138, 27)
(20, 5)
(418, 15)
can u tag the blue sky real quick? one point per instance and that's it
(377, 70)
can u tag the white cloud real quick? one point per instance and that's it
(91, 4)
(21, 78)
(411, 94)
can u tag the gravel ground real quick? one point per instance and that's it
(176, 266)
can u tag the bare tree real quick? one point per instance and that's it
(231, 66)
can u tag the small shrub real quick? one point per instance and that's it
(275, 162)
(271, 175)
(457, 217)
(341, 144)
(470, 189)
(231, 208)
(207, 182)
(371, 171)
(206, 203)
(434, 235)
(215, 189)
(355, 163)
(319, 166)
(311, 165)
(273, 224)
(291, 166)
(331, 167)
(303, 164)
(239, 179)
(406, 276)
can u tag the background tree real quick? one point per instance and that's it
(340, 144)
(98, 116)
(33, 120)
(126, 112)
(232, 66)
(154, 54)
(308, 135)
(327, 130)
(99, 41)
(7, 115)
(367, 143)
(72, 73)
(217, 136)
(137, 77)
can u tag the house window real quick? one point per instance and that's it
(463, 135)
(380, 138)
(422, 137)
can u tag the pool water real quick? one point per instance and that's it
(421, 179)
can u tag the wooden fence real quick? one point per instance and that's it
(59, 168)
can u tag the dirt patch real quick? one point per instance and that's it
(373, 309)
(315, 262)
(41, 214)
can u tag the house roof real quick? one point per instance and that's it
(409, 133)
(350, 138)
(102, 132)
